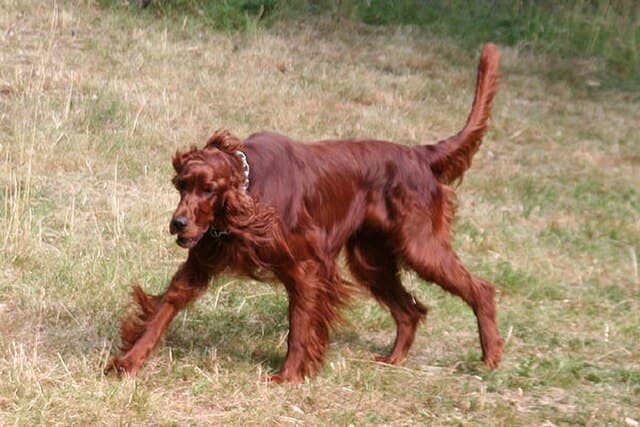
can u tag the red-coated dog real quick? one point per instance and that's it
(271, 205)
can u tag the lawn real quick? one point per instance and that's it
(94, 100)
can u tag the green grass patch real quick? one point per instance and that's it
(585, 40)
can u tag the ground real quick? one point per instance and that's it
(93, 103)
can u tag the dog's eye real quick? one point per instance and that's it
(207, 192)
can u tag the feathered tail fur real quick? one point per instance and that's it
(450, 158)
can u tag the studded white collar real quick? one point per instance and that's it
(245, 169)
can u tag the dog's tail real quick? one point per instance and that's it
(449, 159)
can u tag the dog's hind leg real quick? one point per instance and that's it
(374, 266)
(435, 261)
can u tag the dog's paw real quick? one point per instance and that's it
(492, 362)
(492, 357)
(121, 366)
(275, 379)
(388, 359)
(281, 378)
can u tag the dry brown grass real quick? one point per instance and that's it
(93, 104)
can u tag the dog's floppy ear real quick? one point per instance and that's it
(250, 218)
(255, 224)
(240, 208)
(223, 140)
(181, 157)
(178, 161)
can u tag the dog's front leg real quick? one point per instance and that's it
(140, 338)
(311, 312)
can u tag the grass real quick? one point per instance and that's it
(590, 43)
(603, 30)
(94, 101)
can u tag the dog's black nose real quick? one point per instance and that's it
(179, 222)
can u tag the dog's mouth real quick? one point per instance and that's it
(188, 242)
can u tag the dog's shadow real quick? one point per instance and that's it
(256, 334)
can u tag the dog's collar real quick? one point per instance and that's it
(217, 234)
(245, 169)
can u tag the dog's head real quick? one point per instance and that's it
(211, 185)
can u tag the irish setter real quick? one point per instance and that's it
(272, 207)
